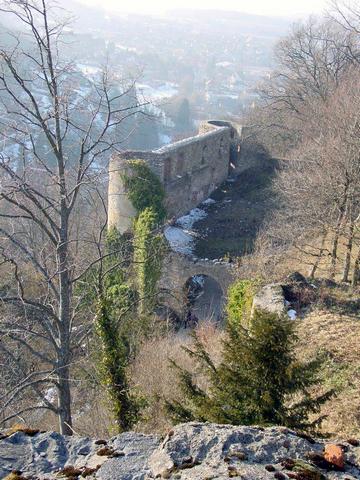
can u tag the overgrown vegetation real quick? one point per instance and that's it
(144, 189)
(258, 380)
(128, 292)
(114, 360)
(240, 298)
(115, 302)
(148, 252)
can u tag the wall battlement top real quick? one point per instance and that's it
(207, 129)
(215, 130)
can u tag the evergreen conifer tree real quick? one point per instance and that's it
(258, 381)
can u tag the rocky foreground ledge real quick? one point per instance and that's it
(190, 451)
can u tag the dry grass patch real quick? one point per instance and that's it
(338, 335)
(154, 377)
(20, 427)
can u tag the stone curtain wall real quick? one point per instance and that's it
(190, 170)
(194, 168)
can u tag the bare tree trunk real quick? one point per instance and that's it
(334, 255)
(318, 259)
(64, 402)
(335, 245)
(64, 398)
(64, 395)
(356, 272)
(347, 260)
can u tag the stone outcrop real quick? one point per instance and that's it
(270, 298)
(49, 454)
(191, 451)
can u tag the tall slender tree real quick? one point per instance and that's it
(57, 128)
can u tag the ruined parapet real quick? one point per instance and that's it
(235, 132)
(194, 168)
(190, 170)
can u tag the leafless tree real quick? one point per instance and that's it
(57, 128)
(311, 62)
(347, 14)
(320, 183)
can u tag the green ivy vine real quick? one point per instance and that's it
(144, 189)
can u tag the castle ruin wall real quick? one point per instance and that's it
(190, 170)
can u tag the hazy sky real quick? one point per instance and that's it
(266, 7)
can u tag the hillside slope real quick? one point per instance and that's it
(337, 336)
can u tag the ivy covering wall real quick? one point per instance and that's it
(144, 189)
(148, 252)
(129, 294)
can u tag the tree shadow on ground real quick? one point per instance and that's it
(242, 206)
(342, 306)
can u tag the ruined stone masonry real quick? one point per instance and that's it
(190, 170)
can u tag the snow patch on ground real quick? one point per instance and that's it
(199, 280)
(187, 221)
(51, 395)
(180, 237)
(88, 70)
(125, 48)
(161, 92)
(179, 240)
(292, 314)
(164, 139)
(208, 201)
(11, 151)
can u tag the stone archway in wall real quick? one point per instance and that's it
(205, 300)
(177, 271)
